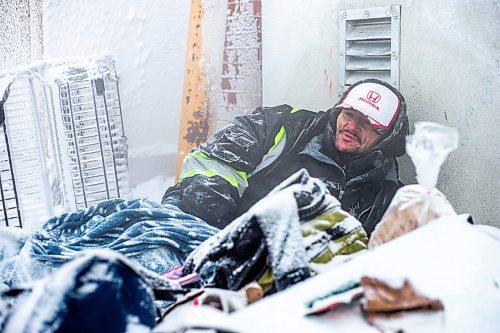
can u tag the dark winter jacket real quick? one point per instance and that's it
(242, 162)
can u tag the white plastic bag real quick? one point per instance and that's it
(418, 204)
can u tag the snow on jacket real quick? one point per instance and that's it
(242, 162)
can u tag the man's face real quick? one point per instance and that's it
(354, 134)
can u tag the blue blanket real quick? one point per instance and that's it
(157, 237)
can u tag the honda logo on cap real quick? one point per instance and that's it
(373, 97)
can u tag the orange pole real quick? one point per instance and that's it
(195, 124)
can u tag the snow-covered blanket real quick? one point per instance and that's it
(157, 237)
(98, 291)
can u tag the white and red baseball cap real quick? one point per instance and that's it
(377, 102)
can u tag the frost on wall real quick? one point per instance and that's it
(20, 32)
(14, 34)
(241, 81)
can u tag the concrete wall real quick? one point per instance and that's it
(449, 74)
(241, 79)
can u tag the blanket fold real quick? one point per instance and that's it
(157, 237)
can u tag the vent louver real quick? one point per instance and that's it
(369, 45)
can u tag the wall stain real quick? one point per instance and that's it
(328, 83)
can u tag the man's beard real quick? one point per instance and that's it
(348, 150)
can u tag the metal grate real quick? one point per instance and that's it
(63, 153)
(30, 174)
(369, 45)
(9, 209)
(93, 129)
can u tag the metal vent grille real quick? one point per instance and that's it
(93, 128)
(63, 145)
(369, 45)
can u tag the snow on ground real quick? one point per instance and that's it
(153, 188)
(447, 259)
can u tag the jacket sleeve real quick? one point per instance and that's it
(214, 175)
(380, 204)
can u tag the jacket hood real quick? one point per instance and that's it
(394, 144)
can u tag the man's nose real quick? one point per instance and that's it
(354, 123)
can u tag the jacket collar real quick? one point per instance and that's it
(373, 166)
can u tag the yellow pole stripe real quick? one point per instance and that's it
(294, 110)
(195, 123)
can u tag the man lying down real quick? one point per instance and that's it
(275, 173)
